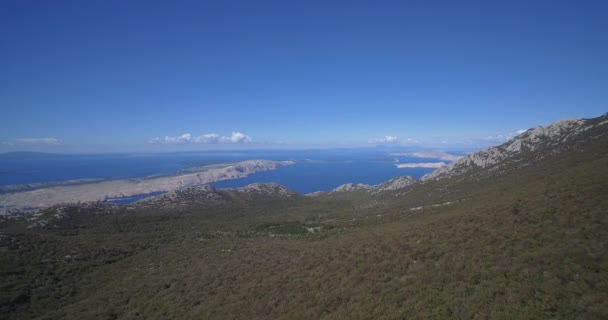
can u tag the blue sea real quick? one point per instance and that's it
(315, 170)
(306, 177)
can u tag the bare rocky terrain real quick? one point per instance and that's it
(532, 145)
(393, 184)
(101, 191)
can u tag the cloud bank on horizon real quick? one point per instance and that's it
(209, 138)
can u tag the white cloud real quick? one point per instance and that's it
(393, 140)
(184, 138)
(209, 138)
(386, 139)
(36, 141)
(236, 137)
(390, 139)
(520, 131)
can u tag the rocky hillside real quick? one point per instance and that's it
(530, 146)
(184, 197)
(393, 184)
(266, 189)
(208, 196)
(203, 196)
(61, 215)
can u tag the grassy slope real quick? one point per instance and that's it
(529, 245)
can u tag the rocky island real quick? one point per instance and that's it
(104, 190)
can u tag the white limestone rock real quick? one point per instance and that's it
(349, 187)
(394, 184)
(269, 189)
(533, 139)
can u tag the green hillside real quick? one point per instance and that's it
(529, 242)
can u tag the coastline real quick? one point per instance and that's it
(430, 165)
(13, 188)
(110, 189)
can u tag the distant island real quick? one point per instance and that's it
(104, 190)
(421, 165)
(429, 154)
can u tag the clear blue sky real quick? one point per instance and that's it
(137, 75)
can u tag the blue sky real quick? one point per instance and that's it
(152, 75)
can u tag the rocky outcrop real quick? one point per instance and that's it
(350, 187)
(394, 184)
(61, 215)
(183, 197)
(208, 196)
(538, 141)
(266, 189)
(12, 214)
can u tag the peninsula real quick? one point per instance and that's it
(104, 190)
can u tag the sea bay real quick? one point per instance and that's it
(315, 170)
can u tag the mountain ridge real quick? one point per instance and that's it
(393, 184)
(551, 138)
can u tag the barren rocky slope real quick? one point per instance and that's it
(538, 142)
(100, 191)
(393, 184)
